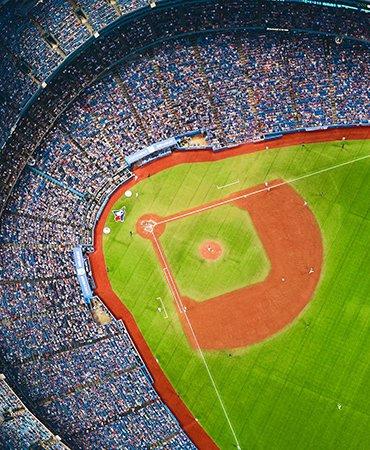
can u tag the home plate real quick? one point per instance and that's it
(128, 194)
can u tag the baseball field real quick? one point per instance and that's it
(248, 277)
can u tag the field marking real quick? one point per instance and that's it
(163, 306)
(258, 191)
(229, 184)
(172, 284)
(170, 281)
(183, 310)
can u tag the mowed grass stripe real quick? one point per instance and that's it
(282, 393)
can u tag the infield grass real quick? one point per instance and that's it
(308, 386)
(243, 261)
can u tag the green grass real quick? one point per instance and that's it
(243, 262)
(282, 393)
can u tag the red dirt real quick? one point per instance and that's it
(147, 223)
(210, 250)
(119, 310)
(292, 240)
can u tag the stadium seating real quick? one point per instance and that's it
(41, 37)
(19, 428)
(99, 12)
(87, 380)
(123, 40)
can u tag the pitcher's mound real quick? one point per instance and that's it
(210, 250)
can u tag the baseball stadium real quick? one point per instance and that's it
(184, 224)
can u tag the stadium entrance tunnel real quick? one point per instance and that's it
(292, 240)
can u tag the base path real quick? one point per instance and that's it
(116, 305)
(292, 240)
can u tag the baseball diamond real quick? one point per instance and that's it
(184, 225)
(234, 327)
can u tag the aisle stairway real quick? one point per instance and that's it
(331, 87)
(248, 88)
(207, 88)
(125, 93)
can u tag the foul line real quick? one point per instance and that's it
(168, 275)
(266, 188)
(173, 288)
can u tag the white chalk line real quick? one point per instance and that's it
(164, 307)
(183, 310)
(167, 273)
(257, 191)
(228, 185)
(173, 288)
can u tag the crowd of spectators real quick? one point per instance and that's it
(100, 13)
(350, 75)
(237, 87)
(21, 37)
(20, 263)
(42, 199)
(227, 75)
(145, 425)
(83, 378)
(58, 373)
(124, 39)
(58, 18)
(19, 428)
(49, 231)
(29, 298)
(41, 36)
(34, 42)
(16, 89)
(70, 161)
(86, 379)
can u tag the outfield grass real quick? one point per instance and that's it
(283, 393)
